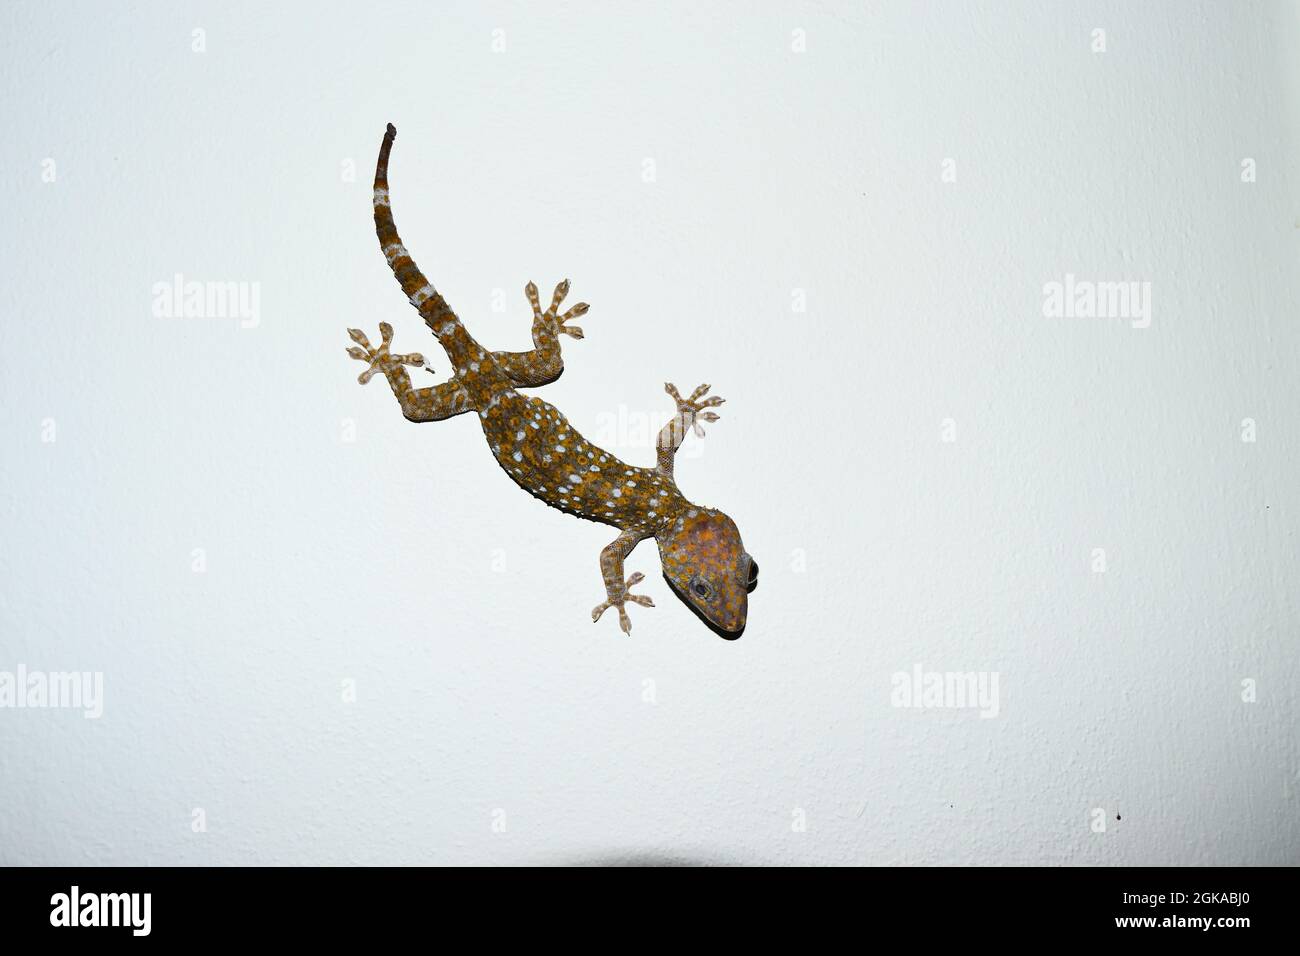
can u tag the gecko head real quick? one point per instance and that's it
(706, 564)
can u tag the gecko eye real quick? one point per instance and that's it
(753, 573)
(701, 589)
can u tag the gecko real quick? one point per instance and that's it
(700, 549)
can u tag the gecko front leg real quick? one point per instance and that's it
(690, 412)
(616, 590)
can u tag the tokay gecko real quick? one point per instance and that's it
(700, 549)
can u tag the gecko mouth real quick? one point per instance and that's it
(712, 625)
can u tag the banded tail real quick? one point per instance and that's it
(419, 290)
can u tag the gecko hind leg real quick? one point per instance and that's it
(544, 363)
(431, 404)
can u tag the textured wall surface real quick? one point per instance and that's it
(326, 635)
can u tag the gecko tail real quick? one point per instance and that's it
(419, 290)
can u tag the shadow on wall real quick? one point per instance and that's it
(638, 858)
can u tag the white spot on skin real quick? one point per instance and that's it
(518, 456)
(381, 196)
(560, 449)
(575, 479)
(618, 492)
(519, 436)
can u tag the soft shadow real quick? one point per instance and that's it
(638, 858)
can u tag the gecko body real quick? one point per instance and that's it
(703, 557)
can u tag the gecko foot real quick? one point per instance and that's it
(623, 620)
(549, 318)
(693, 409)
(380, 359)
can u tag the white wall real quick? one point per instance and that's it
(407, 562)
